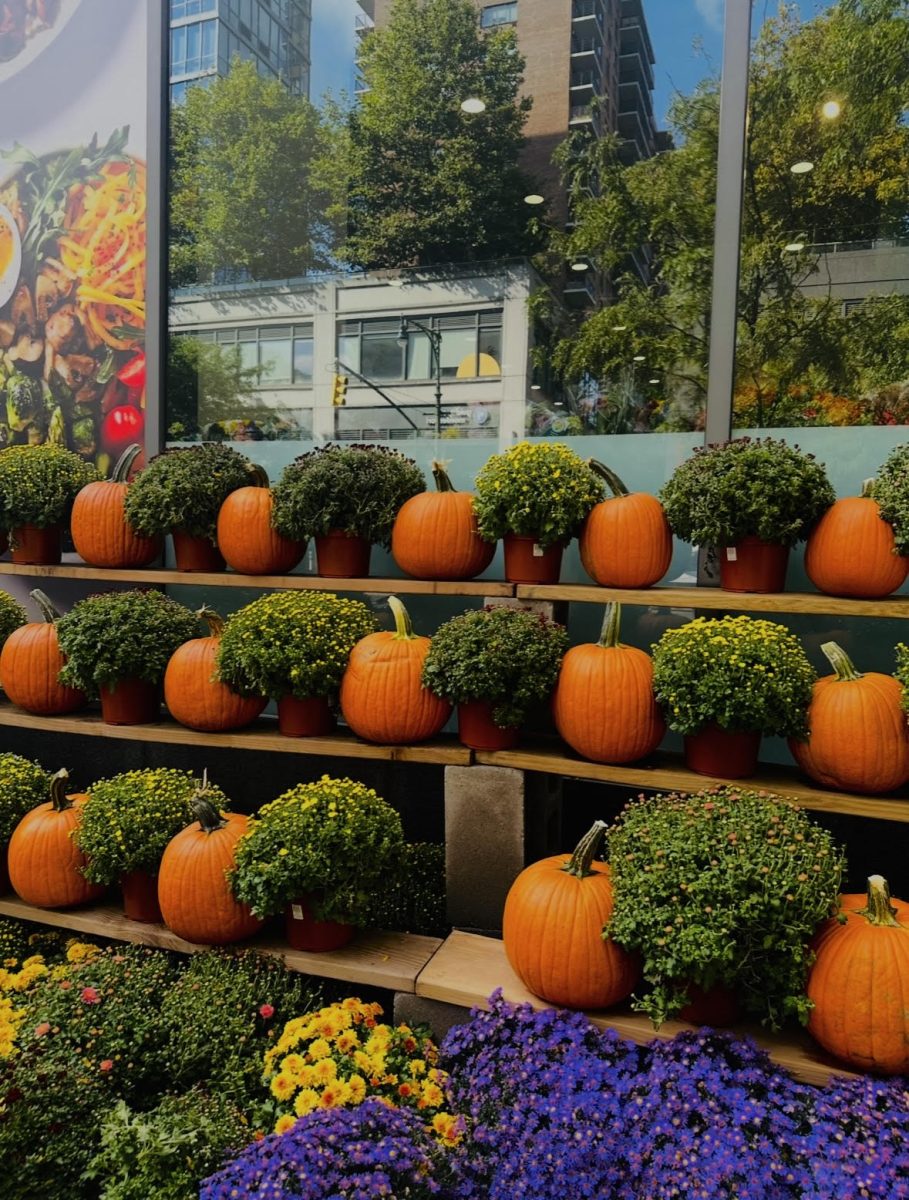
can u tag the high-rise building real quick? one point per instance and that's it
(206, 35)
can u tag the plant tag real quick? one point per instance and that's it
(731, 554)
(296, 911)
(538, 550)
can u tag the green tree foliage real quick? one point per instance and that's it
(206, 382)
(429, 183)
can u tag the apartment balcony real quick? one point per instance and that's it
(587, 45)
(586, 79)
(633, 65)
(587, 10)
(580, 292)
(634, 98)
(633, 30)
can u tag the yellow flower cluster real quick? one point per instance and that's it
(17, 978)
(341, 1055)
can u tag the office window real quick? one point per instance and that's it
(499, 14)
(372, 347)
(191, 8)
(193, 47)
(281, 354)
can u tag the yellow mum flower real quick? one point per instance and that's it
(319, 1049)
(284, 1123)
(306, 1101)
(282, 1086)
(325, 1071)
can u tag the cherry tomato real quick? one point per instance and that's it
(133, 374)
(121, 427)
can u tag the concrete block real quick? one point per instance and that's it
(439, 1016)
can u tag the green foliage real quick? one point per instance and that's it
(184, 489)
(165, 1152)
(412, 899)
(206, 382)
(902, 671)
(723, 887)
(508, 656)
(291, 643)
(745, 675)
(543, 490)
(38, 484)
(428, 183)
(335, 838)
(742, 488)
(357, 489)
(122, 635)
(891, 491)
(12, 615)
(23, 786)
(128, 820)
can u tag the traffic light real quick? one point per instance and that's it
(339, 391)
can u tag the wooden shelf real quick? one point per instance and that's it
(716, 598)
(263, 735)
(666, 773)
(467, 969)
(384, 960)
(157, 576)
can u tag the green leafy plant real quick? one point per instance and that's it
(335, 839)
(12, 615)
(746, 488)
(357, 489)
(412, 899)
(23, 786)
(891, 491)
(544, 491)
(291, 643)
(743, 674)
(902, 672)
(508, 656)
(38, 484)
(726, 887)
(122, 635)
(184, 488)
(128, 820)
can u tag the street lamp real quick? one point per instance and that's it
(435, 343)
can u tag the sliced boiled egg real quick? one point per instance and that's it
(10, 254)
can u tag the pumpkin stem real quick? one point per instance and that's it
(258, 474)
(868, 488)
(586, 851)
(879, 910)
(213, 620)
(403, 624)
(203, 810)
(123, 465)
(48, 612)
(609, 635)
(58, 786)
(440, 475)
(841, 663)
(612, 480)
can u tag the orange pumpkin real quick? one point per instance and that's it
(382, 697)
(435, 534)
(859, 986)
(626, 541)
(603, 703)
(192, 691)
(553, 926)
(195, 897)
(852, 552)
(101, 534)
(857, 740)
(246, 537)
(30, 663)
(855, 901)
(45, 866)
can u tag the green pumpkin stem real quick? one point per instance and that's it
(48, 612)
(609, 635)
(403, 624)
(609, 476)
(123, 465)
(868, 488)
(841, 663)
(586, 851)
(440, 475)
(213, 620)
(204, 811)
(58, 786)
(879, 910)
(258, 474)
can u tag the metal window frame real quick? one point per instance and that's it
(156, 118)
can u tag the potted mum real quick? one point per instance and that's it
(494, 664)
(126, 824)
(534, 497)
(38, 485)
(317, 853)
(23, 786)
(751, 501)
(181, 492)
(725, 682)
(12, 617)
(724, 889)
(117, 645)
(347, 498)
(293, 647)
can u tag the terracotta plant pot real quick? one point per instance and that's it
(753, 565)
(720, 752)
(131, 702)
(304, 932)
(718, 1007)
(477, 729)
(341, 555)
(140, 897)
(36, 547)
(527, 562)
(196, 553)
(312, 717)
(5, 886)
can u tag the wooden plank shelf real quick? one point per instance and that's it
(384, 960)
(263, 735)
(467, 969)
(667, 773)
(159, 576)
(716, 598)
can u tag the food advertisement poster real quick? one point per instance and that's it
(72, 224)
